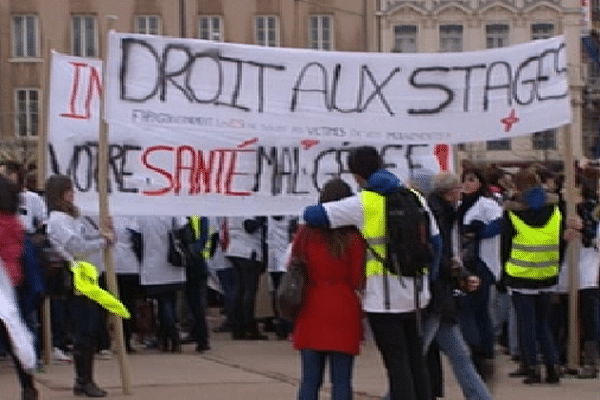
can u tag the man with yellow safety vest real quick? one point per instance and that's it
(532, 249)
(196, 278)
(389, 302)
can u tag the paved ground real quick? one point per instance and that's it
(257, 371)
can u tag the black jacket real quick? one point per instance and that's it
(442, 302)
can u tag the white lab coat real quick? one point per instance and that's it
(241, 243)
(155, 269)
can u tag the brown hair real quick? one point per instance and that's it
(56, 187)
(337, 239)
(526, 179)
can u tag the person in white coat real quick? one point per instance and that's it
(223, 268)
(245, 251)
(589, 301)
(160, 279)
(66, 231)
(480, 218)
(13, 332)
(278, 239)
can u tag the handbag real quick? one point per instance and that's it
(290, 292)
(177, 255)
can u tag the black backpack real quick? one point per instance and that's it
(55, 268)
(409, 252)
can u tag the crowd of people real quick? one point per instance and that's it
(498, 276)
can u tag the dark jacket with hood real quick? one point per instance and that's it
(442, 289)
(536, 217)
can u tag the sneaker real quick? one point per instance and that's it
(59, 356)
(105, 354)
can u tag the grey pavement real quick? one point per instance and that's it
(258, 370)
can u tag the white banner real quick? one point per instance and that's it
(204, 89)
(160, 169)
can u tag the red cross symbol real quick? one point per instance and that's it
(510, 120)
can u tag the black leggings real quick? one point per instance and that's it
(25, 378)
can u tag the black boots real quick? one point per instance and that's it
(30, 393)
(589, 370)
(84, 367)
(552, 374)
(534, 375)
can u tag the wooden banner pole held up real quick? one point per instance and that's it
(41, 179)
(115, 321)
(572, 252)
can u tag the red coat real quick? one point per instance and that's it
(331, 316)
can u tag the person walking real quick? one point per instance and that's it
(66, 233)
(329, 322)
(480, 218)
(442, 322)
(14, 334)
(388, 302)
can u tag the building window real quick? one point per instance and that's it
(147, 24)
(545, 140)
(542, 31)
(595, 6)
(25, 36)
(320, 34)
(210, 27)
(405, 39)
(451, 38)
(84, 36)
(503, 144)
(26, 112)
(496, 35)
(267, 30)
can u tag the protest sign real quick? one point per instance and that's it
(157, 171)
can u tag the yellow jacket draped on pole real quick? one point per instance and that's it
(535, 257)
(85, 280)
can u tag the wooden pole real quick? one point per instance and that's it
(41, 179)
(116, 323)
(572, 253)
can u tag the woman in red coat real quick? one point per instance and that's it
(329, 323)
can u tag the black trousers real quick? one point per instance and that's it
(247, 274)
(25, 378)
(397, 339)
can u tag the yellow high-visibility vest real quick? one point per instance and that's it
(535, 251)
(85, 280)
(374, 229)
(196, 224)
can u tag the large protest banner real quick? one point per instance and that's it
(227, 129)
(287, 171)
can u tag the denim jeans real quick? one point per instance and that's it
(313, 367)
(227, 281)
(451, 342)
(533, 317)
(166, 315)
